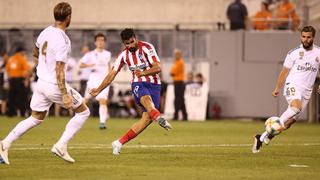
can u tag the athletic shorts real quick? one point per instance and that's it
(292, 92)
(95, 84)
(45, 94)
(140, 89)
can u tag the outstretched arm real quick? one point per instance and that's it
(105, 83)
(281, 79)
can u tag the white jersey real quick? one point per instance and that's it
(54, 45)
(303, 65)
(101, 61)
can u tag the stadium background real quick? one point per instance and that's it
(240, 67)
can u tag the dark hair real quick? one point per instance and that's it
(100, 35)
(309, 29)
(127, 34)
(61, 11)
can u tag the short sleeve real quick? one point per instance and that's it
(62, 49)
(288, 62)
(85, 59)
(152, 54)
(119, 62)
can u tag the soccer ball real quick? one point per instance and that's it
(273, 126)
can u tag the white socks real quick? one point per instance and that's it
(103, 113)
(289, 113)
(19, 130)
(263, 136)
(73, 126)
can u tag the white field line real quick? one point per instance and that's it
(108, 146)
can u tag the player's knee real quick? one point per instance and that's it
(85, 113)
(296, 109)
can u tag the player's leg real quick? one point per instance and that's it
(21, 128)
(73, 126)
(135, 129)
(155, 115)
(39, 105)
(103, 113)
(103, 108)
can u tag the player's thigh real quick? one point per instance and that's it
(292, 93)
(40, 101)
(77, 99)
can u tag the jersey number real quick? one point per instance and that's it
(290, 91)
(44, 50)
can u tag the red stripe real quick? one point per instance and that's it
(135, 61)
(128, 63)
(142, 60)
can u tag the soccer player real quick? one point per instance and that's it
(144, 63)
(298, 75)
(51, 52)
(98, 61)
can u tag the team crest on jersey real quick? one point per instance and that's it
(301, 54)
(140, 56)
(151, 52)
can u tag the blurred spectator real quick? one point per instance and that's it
(177, 73)
(199, 79)
(189, 78)
(18, 68)
(287, 18)
(262, 19)
(237, 14)
(84, 72)
(3, 90)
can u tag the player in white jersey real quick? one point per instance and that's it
(98, 61)
(298, 75)
(51, 52)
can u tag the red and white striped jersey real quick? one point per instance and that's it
(141, 59)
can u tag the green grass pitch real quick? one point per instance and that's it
(216, 149)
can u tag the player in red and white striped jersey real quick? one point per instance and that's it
(144, 63)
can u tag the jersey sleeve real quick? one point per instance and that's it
(62, 48)
(152, 54)
(119, 62)
(85, 59)
(288, 62)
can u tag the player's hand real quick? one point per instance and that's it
(275, 92)
(67, 101)
(138, 73)
(94, 92)
(318, 90)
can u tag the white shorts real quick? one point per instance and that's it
(45, 94)
(292, 92)
(95, 84)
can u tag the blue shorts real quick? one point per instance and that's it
(140, 89)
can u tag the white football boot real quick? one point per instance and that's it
(3, 154)
(116, 147)
(62, 152)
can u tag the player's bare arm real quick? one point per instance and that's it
(83, 65)
(155, 69)
(281, 79)
(61, 80)
(105, 83)
(35, 54)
